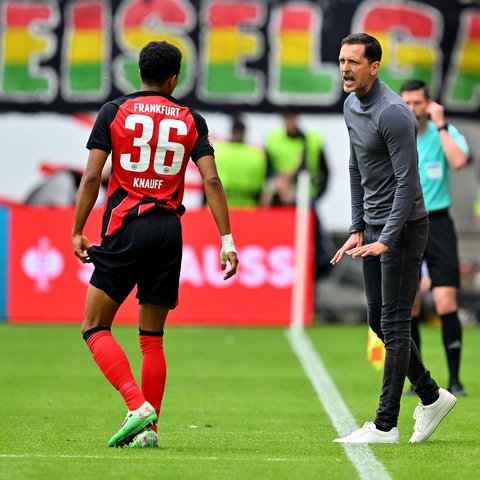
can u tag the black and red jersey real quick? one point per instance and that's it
(151, 137)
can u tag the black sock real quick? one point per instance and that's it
(382, 429)
(452, 340)
(431, 400)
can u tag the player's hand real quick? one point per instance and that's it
(374, 249)
(232, 258)
(355, 240)
(80, 246)
(228, 253)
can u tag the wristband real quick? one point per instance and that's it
(443, 127)
(227, 246)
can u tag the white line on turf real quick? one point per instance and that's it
(368, 467)
(363, 459)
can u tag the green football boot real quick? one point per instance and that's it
(146, 439)
(135, 422)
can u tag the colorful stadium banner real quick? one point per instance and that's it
(228, 48)
(463, 86)
(139, 22)
(47, 283)
(298, 74)
(73, 55)
(23, 78)
(410, 35)
(85, 52)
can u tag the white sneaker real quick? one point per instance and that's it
(370, 434)
(428, 417)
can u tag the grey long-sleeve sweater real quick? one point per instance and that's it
(384, 180)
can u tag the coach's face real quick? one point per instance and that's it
(358, 74)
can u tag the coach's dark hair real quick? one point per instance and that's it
(413, 85)
(373, 49)
(159, 61)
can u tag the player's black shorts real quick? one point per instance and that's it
(441, 253)
(146, 252)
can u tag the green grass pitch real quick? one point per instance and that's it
(238, 405)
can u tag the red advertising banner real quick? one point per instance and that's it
(47, 283)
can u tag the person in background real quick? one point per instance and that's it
(441, 148)
(151, 137)
(60, 186)
(291, 149)
(193, 195)
(241, 167)
(388, 232)
(476, 208)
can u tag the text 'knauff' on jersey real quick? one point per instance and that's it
(151, 138)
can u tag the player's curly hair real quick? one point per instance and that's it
(159, 61)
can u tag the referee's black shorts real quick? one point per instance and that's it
(441, 253)
(146, 252)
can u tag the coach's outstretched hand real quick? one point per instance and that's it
(355, 240)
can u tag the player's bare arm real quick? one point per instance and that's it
(217, 203)
(456, 157)
(86, 198)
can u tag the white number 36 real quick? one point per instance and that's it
(163, 145)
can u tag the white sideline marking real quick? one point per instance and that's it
(363, 459)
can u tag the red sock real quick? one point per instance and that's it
(154, 370)
(114, 364)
